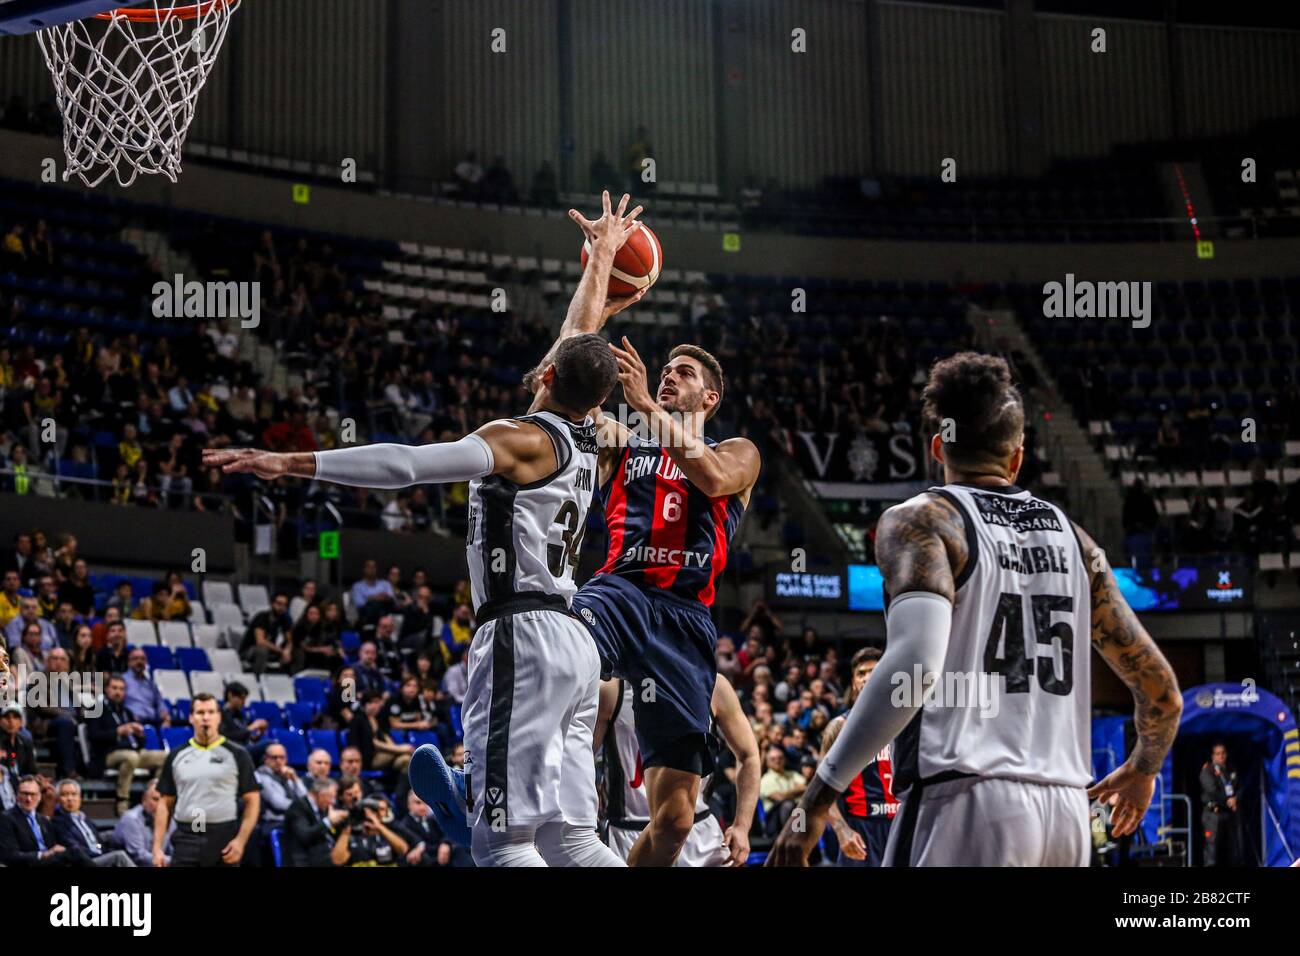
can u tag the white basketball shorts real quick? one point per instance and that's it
(529, 716)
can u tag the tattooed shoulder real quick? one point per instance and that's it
(1113, 622)
(921, 546)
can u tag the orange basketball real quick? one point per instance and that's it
(637, 264)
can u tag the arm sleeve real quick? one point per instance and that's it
(398, 466)
(917, 641)
(166, 781)
(244, 763)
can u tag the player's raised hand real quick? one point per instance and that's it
(612, 229)
(616, 304)
(263, 464)
(1127, 791)
(632, 375)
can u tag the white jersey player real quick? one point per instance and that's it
(533, 670)
(989, 591)
(627, 806)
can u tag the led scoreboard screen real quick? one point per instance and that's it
(855, 587)
(1186, 587)
(810, 588)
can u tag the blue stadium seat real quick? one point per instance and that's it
(175, 737)
(160, 658)
(421, 737)
(312, 690)
(193, 659)
(299, 715)
(276, 852)
(265, 710)
(295, 747)
(151, 739)
(350, 641)
(326, 740)
(180, 710)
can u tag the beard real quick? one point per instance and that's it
(680, 403)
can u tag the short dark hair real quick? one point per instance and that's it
(200, 697)
(713, 376)
(975, 392)
(863, 655)
(347, 780)
(236, 689)
(585, 373)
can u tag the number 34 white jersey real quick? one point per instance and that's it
(523, 541)
(1014, 696)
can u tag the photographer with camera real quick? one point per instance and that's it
(366, 837)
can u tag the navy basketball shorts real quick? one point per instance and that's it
(664, 645)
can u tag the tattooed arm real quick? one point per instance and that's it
(1128, 650)
(921, 548)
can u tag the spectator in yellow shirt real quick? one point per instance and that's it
(10, 599)
(779, 789)
(128, 449)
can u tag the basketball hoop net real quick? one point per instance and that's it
(127, 82)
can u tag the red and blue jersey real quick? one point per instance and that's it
(663, 531)
(871, 794)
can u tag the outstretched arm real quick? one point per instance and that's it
(1128, 650)
(520, 451)
(590, 308)
(921, 546)
(729, 468)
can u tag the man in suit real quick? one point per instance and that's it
(117, 741)
(26, 837)
(20, 558)
(426, 838)
(73, 830)
(311, 825)
(1219, 793)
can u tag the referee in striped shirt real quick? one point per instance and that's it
(201, 785)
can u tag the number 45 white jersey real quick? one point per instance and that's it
(1014, 696)
(523, 541)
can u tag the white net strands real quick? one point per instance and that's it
(127, 84)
